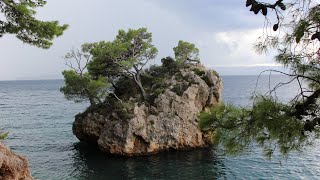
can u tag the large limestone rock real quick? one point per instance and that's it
(12, 166)
(170, 123)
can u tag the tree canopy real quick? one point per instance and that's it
(274, 125)
(18, 17)
(79, 84)
(119, 67)
(126, 55)
(298, 50)
(186, 52)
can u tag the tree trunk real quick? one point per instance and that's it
(137, 80)
(91, 99)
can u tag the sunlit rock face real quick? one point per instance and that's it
(12, 166)
(169, 123)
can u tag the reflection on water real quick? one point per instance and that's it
(194, 164)
(39, 120)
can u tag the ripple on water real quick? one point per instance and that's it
(39, 120)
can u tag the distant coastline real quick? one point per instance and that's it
(222, 75)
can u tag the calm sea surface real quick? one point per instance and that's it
(39, 120)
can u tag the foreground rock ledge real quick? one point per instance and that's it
(169, 124)
(12, 166)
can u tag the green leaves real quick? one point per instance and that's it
(129, 49)
(186, 52)
(278, 126)
(20, 20)
(80, 88)
(4, 135)
(79, 84)
(125, 56)
(221, 115)
(267, 124)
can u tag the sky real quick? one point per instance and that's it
(224, 31)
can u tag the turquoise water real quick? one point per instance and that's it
(39, 120)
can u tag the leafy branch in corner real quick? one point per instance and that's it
(269, 123)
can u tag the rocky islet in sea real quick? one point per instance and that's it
(169, 122)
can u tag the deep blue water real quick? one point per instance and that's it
(39, 120)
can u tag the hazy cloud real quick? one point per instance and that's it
(223, 31)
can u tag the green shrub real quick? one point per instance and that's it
(179, 77)
(159, 91)
(122, 88)
(198, 72)
(167, 61)
(4, 135)
(180, 88)
(171, 66)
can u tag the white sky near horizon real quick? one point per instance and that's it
(224, 31)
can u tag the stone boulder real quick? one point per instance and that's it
(169, 123)
(12, 166)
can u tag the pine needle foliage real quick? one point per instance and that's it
(268, 124)
(18, 18)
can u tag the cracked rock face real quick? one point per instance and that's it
(170, 123)
(12, 166)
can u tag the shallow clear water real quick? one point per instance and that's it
(39, 120)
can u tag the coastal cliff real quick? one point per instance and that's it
(12, 166)
(168, 122)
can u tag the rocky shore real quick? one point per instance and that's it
(12, 166)
(168, 123)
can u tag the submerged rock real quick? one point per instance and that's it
(168, 123)
(12, 166)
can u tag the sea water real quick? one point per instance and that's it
(39, 120)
